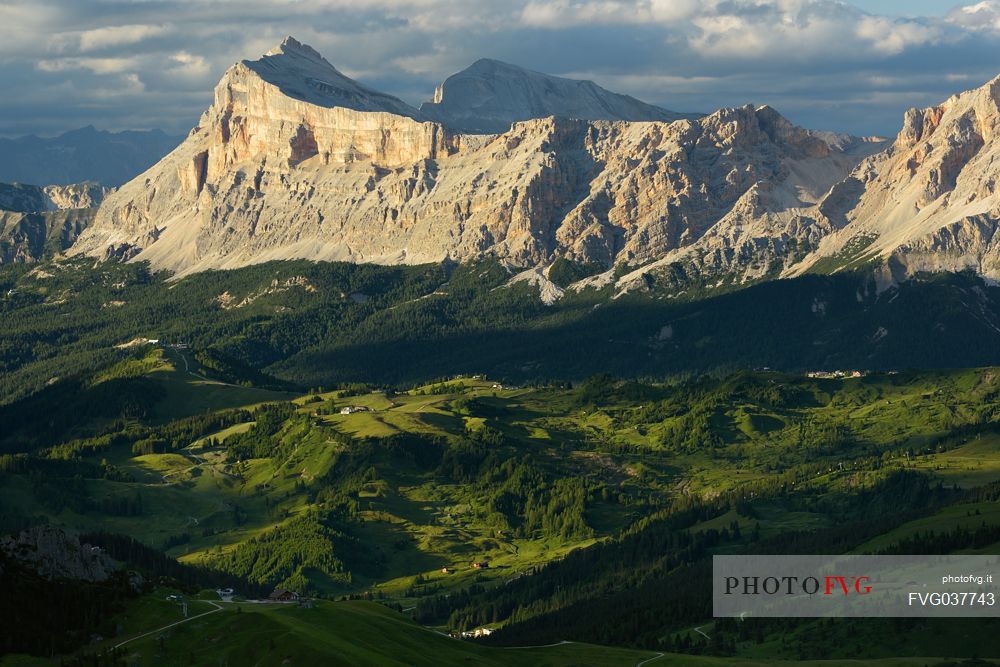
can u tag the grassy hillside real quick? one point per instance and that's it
(354, 633)
(361, 634)
(447, 474)
(342, 633)
(401, 496)
(595, 505)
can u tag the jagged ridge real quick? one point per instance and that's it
(267, 176)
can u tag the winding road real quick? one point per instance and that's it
(218, 608)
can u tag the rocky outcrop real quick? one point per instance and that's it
(56, 554)
(928, 202)
(76, 195)
(38, 223)
(30, 237)
(21, 198)
(295, 160)
(275, 171)
(489, 96)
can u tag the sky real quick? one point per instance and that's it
(825, 64)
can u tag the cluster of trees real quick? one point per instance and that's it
(524, 500)
(297, 552)
(65, 407)
(259, 441)
(179, 434)
(234, 371)
(122, 504)
(947, 541)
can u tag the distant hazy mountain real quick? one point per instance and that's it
(489, 95)
(87, 154)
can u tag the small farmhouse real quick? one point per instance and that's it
(282, 595)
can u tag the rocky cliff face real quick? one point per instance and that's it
(294, 160)
(30, 237)
(489, 96)
(275, 171)
(37, 223)
(929, 201)
(248, 178)
(76, 195)
(22, 198)
(55, 554)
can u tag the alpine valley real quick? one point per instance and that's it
(343, 381)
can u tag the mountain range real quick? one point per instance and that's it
(295, 160)
(86, 154)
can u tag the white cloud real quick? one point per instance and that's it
(565, 13)
(892, 37)
(113, 36)
(795, 29)
(95, 65)
(980, 16)
(190, 65)
(102, 38)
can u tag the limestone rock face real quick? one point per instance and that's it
(929, 201)
(292, 105)
(77, 195)
(22, 198)
(37, 223)
(487, 97)
(283, 167)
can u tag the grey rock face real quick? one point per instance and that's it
(489, 96)
(55, 554)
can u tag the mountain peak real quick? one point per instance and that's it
(490, 95)
(491, 65)
(300, 72)
(291, 46)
